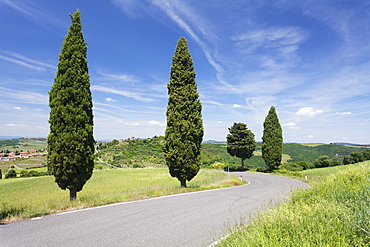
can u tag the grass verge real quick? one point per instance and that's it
(36, 196)
(332, 212)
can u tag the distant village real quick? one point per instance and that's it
(14, 155)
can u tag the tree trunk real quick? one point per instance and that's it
(183, 183)
(72, 194)
(242, 164)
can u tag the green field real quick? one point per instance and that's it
(334, 211)
(35, 196)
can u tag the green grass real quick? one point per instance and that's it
(334, 211)
(35, 196)
(318, 174)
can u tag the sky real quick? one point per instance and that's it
(309, 59)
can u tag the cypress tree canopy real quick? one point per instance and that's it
(272, 140)
(184, 130)
(240, 142)
(71, 141)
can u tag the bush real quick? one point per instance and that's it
(262, 169)
(347, 160)
(218, 165)
(11, 174)
(25, 174)
(335, 162)
(322, 161)
(306, 165)
(34, 173)
(292, 167)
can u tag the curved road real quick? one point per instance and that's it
(191, 219)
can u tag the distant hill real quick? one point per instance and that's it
(23, 144)
(213, 141)
(351, 144)
(9, 137)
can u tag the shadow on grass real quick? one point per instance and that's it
(9, 211)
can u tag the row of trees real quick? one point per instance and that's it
(241, 142)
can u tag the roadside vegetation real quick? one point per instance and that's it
(334, 211)
(36, 196)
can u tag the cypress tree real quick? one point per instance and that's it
(184, 130)
(240, 142)
(71, 141)
(272, 140)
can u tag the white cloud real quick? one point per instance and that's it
(110, 100)
(290, 124)
(17, 108)
(311, 136)
(132, 124)
(308, 111)
(153, 122)
(343, 113)
(236, 106)
(14, 125)
(156, 123)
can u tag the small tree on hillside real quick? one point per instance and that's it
(71, 141)
(272, 140)
(184, 130)
(240, 142)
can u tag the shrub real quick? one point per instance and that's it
(292, 167)
(306, 165)
(348, 160)
(11, 174)
(322, 161)
(25, 174)
(262, 169)
(218, 165)
(335, 162)
(34, 173)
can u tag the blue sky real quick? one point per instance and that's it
(309, 59)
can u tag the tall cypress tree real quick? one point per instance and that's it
(71, 141)
(184, 130)
(240, 142)
(272, 140)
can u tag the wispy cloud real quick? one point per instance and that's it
(187, 19)
(21, 96)
(25, 61)
(118, 77)
(125, 93)
(273, 37)
(309, 111)
(110, 100)
(343, 113)
(34, 13)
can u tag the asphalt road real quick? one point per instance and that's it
(193, 219)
